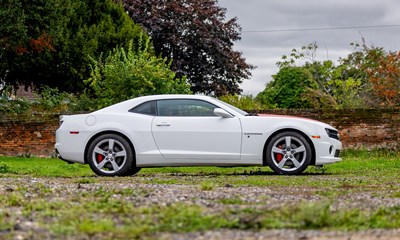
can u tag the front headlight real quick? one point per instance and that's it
(332, 133)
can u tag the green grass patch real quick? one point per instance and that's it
(232, 201)
(41, 167)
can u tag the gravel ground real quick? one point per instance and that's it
(289, 235)
(165, 194)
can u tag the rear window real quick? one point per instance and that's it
(147, 108)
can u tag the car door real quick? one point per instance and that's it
(188, 129)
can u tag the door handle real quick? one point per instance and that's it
(163, 124)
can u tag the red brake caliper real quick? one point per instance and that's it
(279, 156)
(99, 158)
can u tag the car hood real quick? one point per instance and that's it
(295, 118)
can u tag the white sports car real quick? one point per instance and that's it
(191, 130)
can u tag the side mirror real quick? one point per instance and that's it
(222, 113)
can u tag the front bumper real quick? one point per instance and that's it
(327, 151)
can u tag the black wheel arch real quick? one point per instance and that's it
(109, 132)
(288, 130)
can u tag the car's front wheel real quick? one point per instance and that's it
(288, 153)
(111, 155)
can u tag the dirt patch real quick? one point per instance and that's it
(214, 200)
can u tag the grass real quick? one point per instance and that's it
(41, 167)
(105, 208)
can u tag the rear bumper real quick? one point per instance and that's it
(59, 157)
(70, 148)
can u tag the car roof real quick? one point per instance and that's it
(172, 96)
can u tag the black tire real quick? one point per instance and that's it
(133, 171)
(111, 155)
(288, 153)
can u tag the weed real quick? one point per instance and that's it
(94, 226)
(25, 155)
(85, 180)
(322, 170)
(13, 199)
(6, 222)
(207, 186)
(130, 192)
(4, 168)
(231, 201)
(395, 195)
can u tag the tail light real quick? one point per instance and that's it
(61, 120)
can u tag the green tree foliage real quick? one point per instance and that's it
(48, 42)
(338, 86)
(196, 37)
(12, 29)
(245, 102)
(27, 38)
(292, 87)
(126, 74)
(367, 77)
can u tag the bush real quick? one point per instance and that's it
(17, 106)
(52, 99)
(126, 74)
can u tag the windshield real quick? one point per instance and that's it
(241, 112)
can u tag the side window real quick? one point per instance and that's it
(185, 108)
(147, 108)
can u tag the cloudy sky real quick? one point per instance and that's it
(262, 46)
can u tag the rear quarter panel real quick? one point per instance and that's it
(136, 127)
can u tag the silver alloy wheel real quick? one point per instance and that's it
(288, 153)
(109, 156)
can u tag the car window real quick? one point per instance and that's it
(148, 108)
(185, 107)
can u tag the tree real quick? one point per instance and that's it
(245, 102)
(378, 72)
(291, 88)
(196, 37)
(367, 77)
(342, 85)
(12, 29)
(126, 74)
(385, 80)
(56, 38)
(12, 32)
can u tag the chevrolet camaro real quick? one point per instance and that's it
(191, 130)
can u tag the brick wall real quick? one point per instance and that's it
(28, 135)
(366, 128)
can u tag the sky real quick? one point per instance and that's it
(263, 46)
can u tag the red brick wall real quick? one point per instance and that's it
(28, 135)
(369, 128)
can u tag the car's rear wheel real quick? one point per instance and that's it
(288, 153)
(111, 155)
